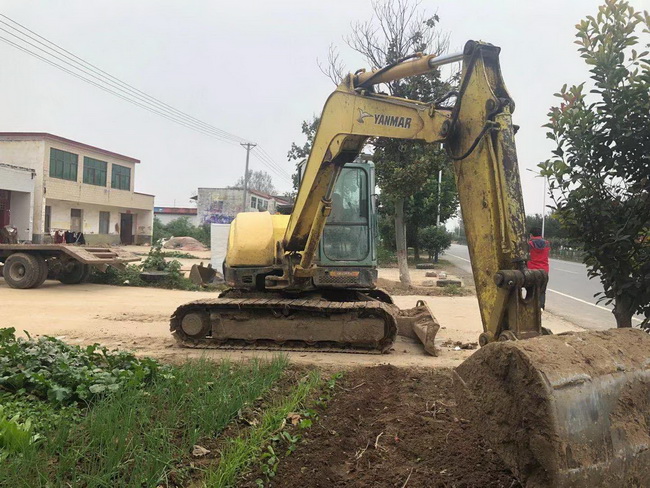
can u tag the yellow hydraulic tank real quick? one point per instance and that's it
(252, 238)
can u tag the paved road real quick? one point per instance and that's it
(570, 292)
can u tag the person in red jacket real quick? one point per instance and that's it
(539, 250)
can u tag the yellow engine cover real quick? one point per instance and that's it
(252, 238)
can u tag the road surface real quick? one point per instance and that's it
(570, 293)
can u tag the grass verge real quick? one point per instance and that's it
(241, 452)
(139, 435)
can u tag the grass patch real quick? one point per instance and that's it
(241, 452)
(138, 434)
(179, 255)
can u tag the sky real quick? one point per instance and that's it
(250, 68)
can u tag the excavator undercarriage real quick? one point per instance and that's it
(348, 321)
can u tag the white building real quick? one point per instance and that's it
(169, 214)
(221, 205)
(50, 183)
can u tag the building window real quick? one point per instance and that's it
(95, 171)
(48, 218)
(63, 165)
(121, 177)
(104, 222)
(254, 202)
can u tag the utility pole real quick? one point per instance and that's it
(248, 146)
(439, 192)
(435, 259)
(539, 175)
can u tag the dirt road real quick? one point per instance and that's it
(138, 319)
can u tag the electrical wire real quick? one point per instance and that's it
(91, 74)
(89, 68)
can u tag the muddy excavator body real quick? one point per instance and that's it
(566, 410)
(340, 309)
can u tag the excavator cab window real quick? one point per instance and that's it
(346, 235)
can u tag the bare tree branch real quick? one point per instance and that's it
(335, 69)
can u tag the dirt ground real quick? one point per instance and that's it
(391, 427)
(138, 319)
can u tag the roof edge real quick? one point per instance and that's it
(47, 135)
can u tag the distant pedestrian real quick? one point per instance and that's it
(539, 250)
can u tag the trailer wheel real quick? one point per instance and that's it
(22, 270)
(75, 275)
(44, 271)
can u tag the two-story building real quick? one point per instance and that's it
(49, 183)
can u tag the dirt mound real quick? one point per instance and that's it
(184, 244)
(387, 425)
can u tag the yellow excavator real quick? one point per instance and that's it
(561, 410)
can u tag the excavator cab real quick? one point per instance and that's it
(347, 255)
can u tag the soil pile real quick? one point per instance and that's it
(386, 425)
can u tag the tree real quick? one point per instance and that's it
(301, 153)
(257, 180)
(434, 239)
(399, 28)
(599, 173)
(552, 225)
(422, 206)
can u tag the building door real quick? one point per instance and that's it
(5, 201)
(76, 220)
(126, 228)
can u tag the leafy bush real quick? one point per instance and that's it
(53, 371)
(155, 261)
(143, 435)
(385, 255)
(434, 239)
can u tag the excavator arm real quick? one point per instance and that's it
(478, 134)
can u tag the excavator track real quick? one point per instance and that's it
(295, 324)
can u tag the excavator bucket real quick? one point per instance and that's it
(569, 410)
(419, 323)
(202, 275)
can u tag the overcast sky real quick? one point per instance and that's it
(250, 68)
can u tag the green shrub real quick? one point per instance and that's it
(155, 261)
(51, 370)
(434, 239)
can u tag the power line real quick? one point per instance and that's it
(266, 159)
(90, 69)
(123, 90)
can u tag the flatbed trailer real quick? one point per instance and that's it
(29, 265)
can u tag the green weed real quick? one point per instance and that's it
(239, 453)
(143, 436)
